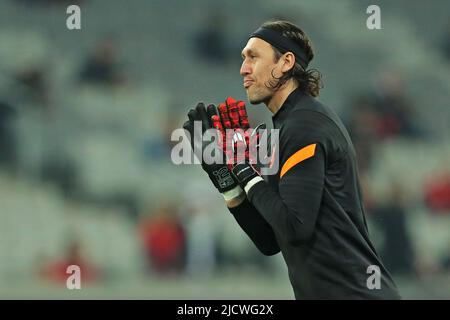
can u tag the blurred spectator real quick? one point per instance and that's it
(159, 146)
(57, 271)
(8, 147)
(361, 124)
(395, 114)
(164, 240)
(33, 86)
(387, 113)
(369, 200)
(62, 172)
(44, 123)
(102, 66)
(374, 117)
(437, 192)
(445, 263)
(446, 43)
(211, 42)
(201, 241)
(397, 251)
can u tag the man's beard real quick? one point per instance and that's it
(260, 98)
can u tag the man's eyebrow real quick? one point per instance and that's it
(248, 51)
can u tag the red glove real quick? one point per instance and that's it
(239, 141)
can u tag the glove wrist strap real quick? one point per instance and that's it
(251, 183)
(244, 172)
(233, 193)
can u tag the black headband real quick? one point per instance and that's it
(279, 41)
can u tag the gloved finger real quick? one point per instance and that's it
(192, 115)
(203, 116)
(211, 110)
(230, 101)
(233, 112)
(243, 116)
(189, 127)
(223, 112)
(239, 145)
(218, 125)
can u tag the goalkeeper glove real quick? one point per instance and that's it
(233, 115)
(219, 173)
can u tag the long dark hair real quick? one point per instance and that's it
(310, 80)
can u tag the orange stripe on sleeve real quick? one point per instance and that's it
(302, 154)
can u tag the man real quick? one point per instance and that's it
(311, 210)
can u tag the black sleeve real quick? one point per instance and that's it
(292, 212)
(254, 225)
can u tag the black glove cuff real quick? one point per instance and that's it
(244, 172)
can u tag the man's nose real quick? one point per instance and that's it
(245, 69)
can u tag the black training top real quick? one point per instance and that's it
(312, 208)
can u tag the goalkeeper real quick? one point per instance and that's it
(311, 210)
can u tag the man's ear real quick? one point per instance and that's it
(288, 61)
